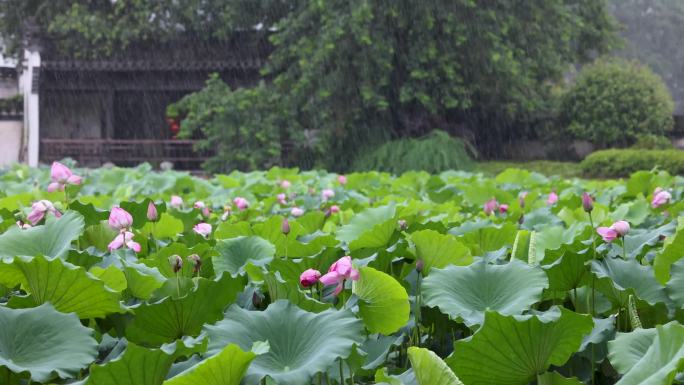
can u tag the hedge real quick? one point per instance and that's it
(623, 162)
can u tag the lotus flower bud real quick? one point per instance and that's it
(120, 219)
(403, 225)
(152, 214)
(622, 227)
(285, 226)
(309, 277)
(587, 202)
(420, 265)
(196, 262)
(176, 263)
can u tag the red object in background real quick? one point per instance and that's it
(174, 126)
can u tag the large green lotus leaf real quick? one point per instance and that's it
(139, 365)
(69, 288)
(91, 214)
(370, 228)
(569, 271)
(142, 281)
(227, 230)
(430, 369)
(618, 274)
(278, 288)
(491, 238)
(112, 276)
(98, 236)
(439, 250)
(236, 253)
(226, 368)
(383, 302)
(300, 242)
(44, 342)
(468, 292)
(172, 318)
(524, 246)
(647, 357)
(634, 212)
(301, 343)
(51, 240)
(675, 286)
(638, 239)
(672, 252)
(167, 226)
(553, 378)
(512, 350)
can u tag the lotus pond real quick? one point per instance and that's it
(133, 277)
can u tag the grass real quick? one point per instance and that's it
(546, 167)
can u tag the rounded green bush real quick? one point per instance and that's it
(614, 101)
(623, 162)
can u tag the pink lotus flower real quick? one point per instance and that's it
(309, 277)
(40, 209)
(616, 230)
(660, 197)
(203, 229)
(503, 208)
(285, 184)
(282, 199)
(152, 214)
(296, 212)
(203, 208)
(61, 176)
(587, 202)
(338, 273)
(176, 202)
(120, 219)
(341, 179)
(124, 238)
(327, 194)
(490, 206)
(552, 199)
(285, 226)
(241, 203)
(334, 209)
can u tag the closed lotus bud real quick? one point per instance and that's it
(176, 263)
(587, 202)
(521, 220)
(420, 265)
(403, 225)
(285, 226)
(152, 214)
(196, 262)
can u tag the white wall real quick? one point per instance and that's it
(10, 132)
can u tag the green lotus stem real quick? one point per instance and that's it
(633, 314)
(341, 373)
(351, 374)
(592, 303)
(416, 312)
(624, 249)
(178, 283)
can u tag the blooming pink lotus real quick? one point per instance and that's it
(660, 197)
(490, 206)
(152, 214)
(40, 209)
(616, 230)
(241, 203)
(124, 238)
(338, 273)
(327, 194)
(309, 277)
(285, 184)
(120, 219)
(203, 229)
(503, 208)
(334, 209)
(341, 179)
(296, 212)
(552, 199)
(176, 202)
(61, 176)
(282, 199)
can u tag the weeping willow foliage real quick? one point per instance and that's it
(433, 153)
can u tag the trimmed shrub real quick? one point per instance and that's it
(613, 101)
(435, 152)
(653, 142)
(623, 162)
